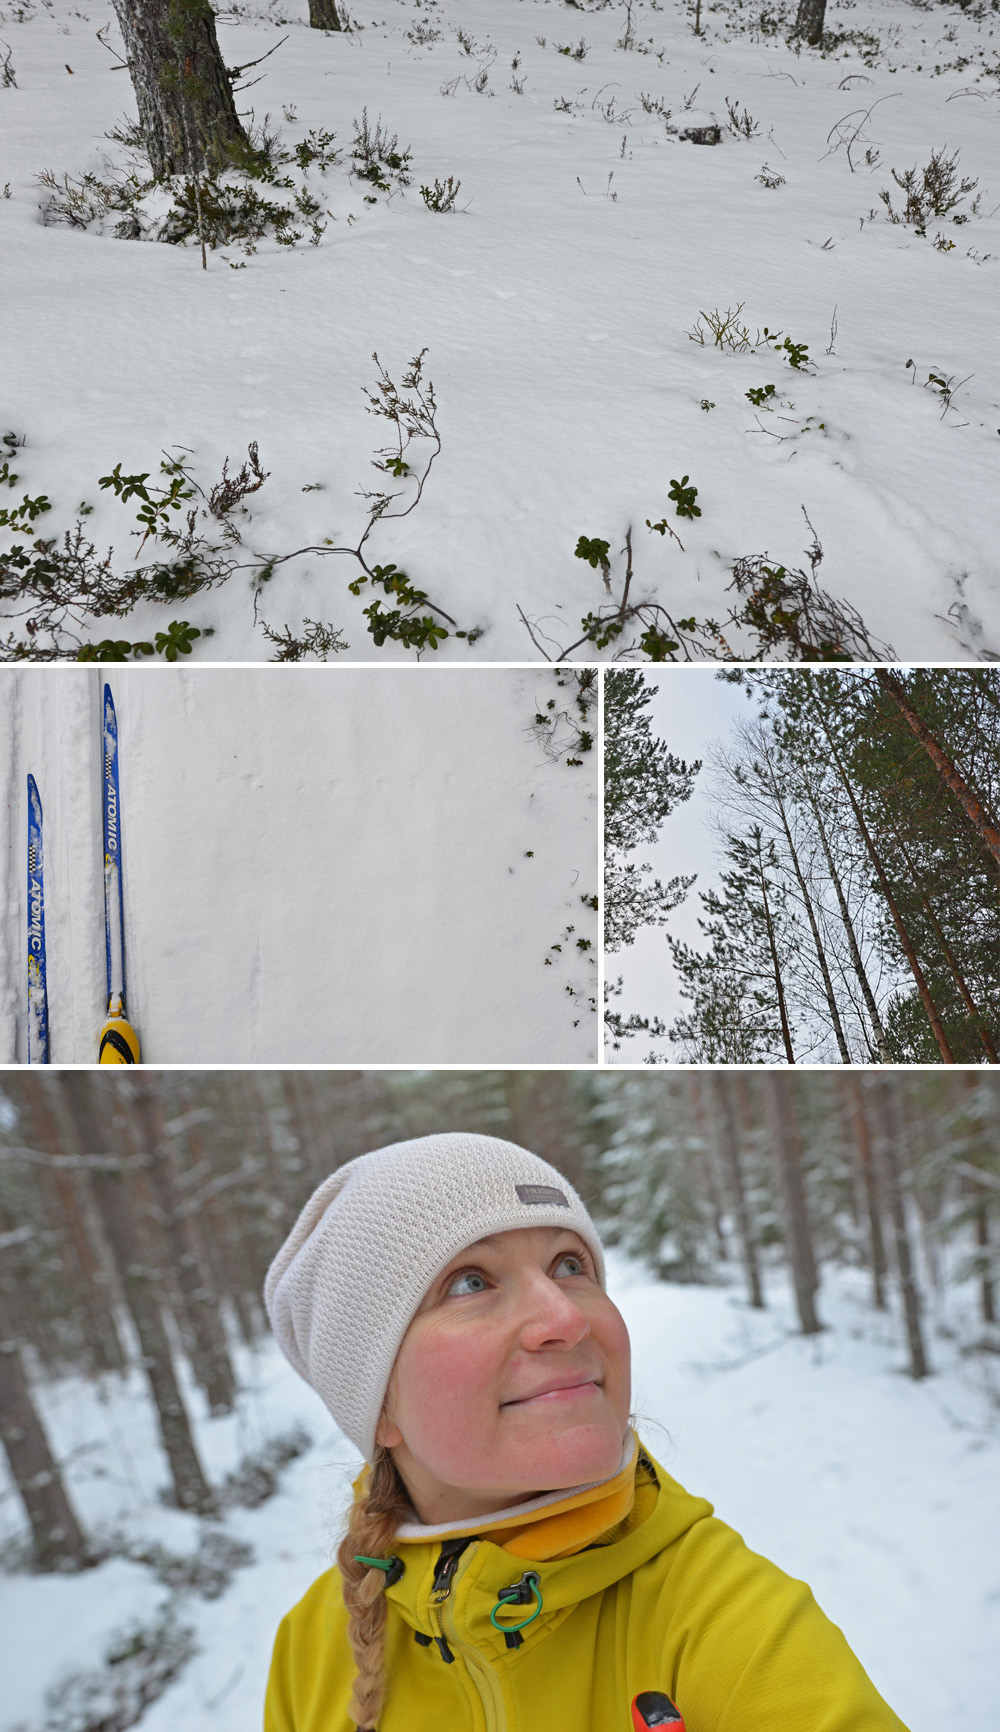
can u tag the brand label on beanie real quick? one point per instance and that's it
(542, 1194)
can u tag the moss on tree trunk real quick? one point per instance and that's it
(185, 97)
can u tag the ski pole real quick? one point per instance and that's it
(653, 1708)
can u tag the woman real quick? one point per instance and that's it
(513, 1557)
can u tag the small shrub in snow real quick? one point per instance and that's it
(934, 191)
(377, 156)
(206, 1571)
(138, 1666)
(769, 178)
(58, 587)
(442, 195)
(740, 124)
(7, 78)
(684, 498)
(256, 1477)
(728, 332)
(580, 52)
(780, 614)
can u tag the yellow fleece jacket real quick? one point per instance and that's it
(672, 1601)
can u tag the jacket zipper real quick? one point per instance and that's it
(479, 1670)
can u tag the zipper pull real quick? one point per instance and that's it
(447, 1564)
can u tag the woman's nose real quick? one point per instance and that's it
(552, 1316)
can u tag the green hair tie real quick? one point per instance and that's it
(377, 1563)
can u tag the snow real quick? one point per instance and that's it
(373, 867)
(881, 1493)
(555, 304)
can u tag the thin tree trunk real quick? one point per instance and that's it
(786, 1032)
(897, 919)
(974, 809)
(888, 1108)
(862, 1142)
(323, 15)
(809, 21)
(986, 1288)
(210, 1355)
(729, 1141)
(831, 1001)
(57, 1538)
(111, 1193)
(544, 1117)
(707, 1141)
(780, 1109)
(183, 91)
(878, 1029)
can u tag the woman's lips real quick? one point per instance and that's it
(557, 1392)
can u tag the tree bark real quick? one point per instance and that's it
(784, 1134)
(809, 21)
(323, 15)
(986, 1286)
(978, 1020)
(919, 981)
(184, 93)
(110, 1191)
(729, 1141)
(889, 1112)
(862, 1142)
(977, 814)
(57, 1538)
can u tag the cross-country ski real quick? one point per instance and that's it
(119, 1042)
(38, 1004)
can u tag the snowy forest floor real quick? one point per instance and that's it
(378, 867)
(881, 1493)
(555, 301)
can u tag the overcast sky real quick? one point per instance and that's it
(691, 709)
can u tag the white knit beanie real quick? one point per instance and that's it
(342, 1290)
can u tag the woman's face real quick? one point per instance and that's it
(513, 1378)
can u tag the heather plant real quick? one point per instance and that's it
(934, 191)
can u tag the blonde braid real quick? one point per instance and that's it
(371, 1529)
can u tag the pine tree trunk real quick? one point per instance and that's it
(981, 820)
(57, 1539)
(111, 1194)
(209, 1354)
(544, 1118)
(919, 981)
(889, 1112)
(323, 15)
(186, 107)
(809, 21)
(784, 1133)
(729, 1141)
(862, 1142)
(978, 1020)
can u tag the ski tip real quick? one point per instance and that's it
(34, 798)
(119, 1043)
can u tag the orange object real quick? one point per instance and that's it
(653, 1708)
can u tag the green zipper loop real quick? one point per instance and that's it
(515, 1597)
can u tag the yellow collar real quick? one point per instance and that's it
(555, 1526)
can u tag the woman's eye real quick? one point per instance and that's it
(571, 1264)
(467, 1281)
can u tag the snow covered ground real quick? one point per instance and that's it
(318, 868)
(883, 1494)
(555, 304)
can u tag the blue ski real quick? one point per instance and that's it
(119, 1041)
(38, 1003)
